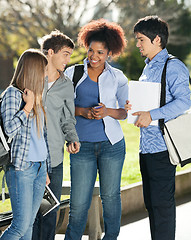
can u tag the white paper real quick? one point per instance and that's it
(143, 96)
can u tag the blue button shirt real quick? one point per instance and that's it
(177, 98)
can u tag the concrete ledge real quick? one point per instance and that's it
(93, 228)
(183, 183)
(132, 202)
(132, 197)
(66, 185)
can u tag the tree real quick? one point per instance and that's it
(23, 22)
(174, 12)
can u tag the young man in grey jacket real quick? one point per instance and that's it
(58, 100)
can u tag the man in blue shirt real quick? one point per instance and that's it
(158, 174)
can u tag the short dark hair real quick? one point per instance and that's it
(109, 33)
(56, 41)
(151, 26)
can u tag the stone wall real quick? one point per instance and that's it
(132, 197)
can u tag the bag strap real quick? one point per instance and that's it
(78, 73)
(6, 141)
(6, 146)
(3, 187)
(163, 92)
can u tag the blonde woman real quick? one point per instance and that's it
(23, 118)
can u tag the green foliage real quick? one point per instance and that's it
(181, 47)
(22, 23)
(131, 63)
(78, 56)
(176, 13)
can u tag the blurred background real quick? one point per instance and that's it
(24, 22)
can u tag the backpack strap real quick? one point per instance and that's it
(163, 92)
(3, 139)
(5, 143)
(3, 187)
(78, 73)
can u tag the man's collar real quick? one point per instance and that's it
(160, 57)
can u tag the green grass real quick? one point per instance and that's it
(130, 173)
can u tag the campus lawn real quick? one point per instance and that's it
(130, 174)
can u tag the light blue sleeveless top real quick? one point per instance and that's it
(38, 148)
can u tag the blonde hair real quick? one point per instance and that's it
(30, 73)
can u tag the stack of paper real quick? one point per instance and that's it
(143, 96)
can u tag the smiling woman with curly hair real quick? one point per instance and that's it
(100, 96)
(109, 33)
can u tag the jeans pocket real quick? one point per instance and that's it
(27, 168)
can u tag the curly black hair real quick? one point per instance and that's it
(101, 30)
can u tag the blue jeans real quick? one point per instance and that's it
(158, 176)
(44, 227)
(108, 160)
(26, 189)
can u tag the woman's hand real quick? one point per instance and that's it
(28, 97)
(47, 180)
(84, 112)
(100, 111)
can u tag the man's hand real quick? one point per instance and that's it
(144, 119)
(73, 148)
(47, 179)
(128, 106)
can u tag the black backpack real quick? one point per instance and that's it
(78, 73)
(5, 141)
(4, 152)
(4, 144)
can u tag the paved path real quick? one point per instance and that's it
(136, 227)
(139, 230)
